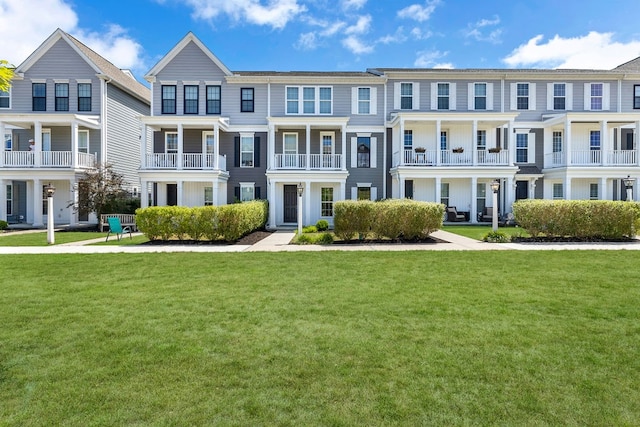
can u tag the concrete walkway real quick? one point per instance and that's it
(279, 242)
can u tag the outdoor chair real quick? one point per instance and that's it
(487, 214)
(453, 215)
(115, 227)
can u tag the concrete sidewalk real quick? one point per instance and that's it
(279, 242)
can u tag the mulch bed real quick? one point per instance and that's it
(569, 240)
(428, 240)
(249, 239)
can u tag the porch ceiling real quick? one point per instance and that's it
(27, 121)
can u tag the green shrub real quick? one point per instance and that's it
(325, 239)
(310, 229)
(4, 225)
(352, 217)
(496, 237)
(322, 225)
(578, 218)
(304, 239)
(228, 222)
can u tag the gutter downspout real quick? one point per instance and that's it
(104, 81)
(384, 143)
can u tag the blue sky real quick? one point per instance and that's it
(338, 35)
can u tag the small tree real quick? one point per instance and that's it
(101, 190)
(6, 74)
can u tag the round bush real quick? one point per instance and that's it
(322, 225)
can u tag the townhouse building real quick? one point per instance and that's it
(215, 136)
(77, 109)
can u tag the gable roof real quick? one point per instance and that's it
(633, 65)
(123, 79)
(190, 37)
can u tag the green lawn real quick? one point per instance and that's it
(40, 238)
(479, 231)
(337, 338)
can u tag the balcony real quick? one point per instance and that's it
(451, 158)
(47, 159)
(190, 161)
(308, 161)
(592, 158)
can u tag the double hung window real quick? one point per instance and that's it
(84, 96)
(190, 99)
(62, 96)
(168, 99)
(214, 100)
(39, 96)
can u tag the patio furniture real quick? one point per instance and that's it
(115, 227)
(453, 215)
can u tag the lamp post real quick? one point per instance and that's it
(300, 191)
(628, 184)
(50, 190)
(495, 187)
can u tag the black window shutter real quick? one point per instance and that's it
(408, 189)
(257, 191)
(256, 152)
(236, 191)
(236, 151)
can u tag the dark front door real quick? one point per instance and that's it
(522, 190)
(172, 194)
(290, 203)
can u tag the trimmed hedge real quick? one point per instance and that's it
(392, 219)
(227, 222)
(584, 219)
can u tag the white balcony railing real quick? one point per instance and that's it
(190, 161)
(586, 157)
(47, 159)
(592, 158)
(486, 157)
(622, 157)
(314, 161)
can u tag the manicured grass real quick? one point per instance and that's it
(40, 238)
(479, 231)
(338, 338)
(125, 241)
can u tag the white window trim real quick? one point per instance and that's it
(166, 142)
(333, 201)
(471, 96)
(4, 141)
(415, 94)
(211, 203)
(245, 185)
(9, 192)
(316, 109)
(373, 101)
(86, 81)
(452, 95)
(531, 146)
(253, 154)
(568, 96)
(284, 139)
(8, 96)
(84, 131)
(333, 141)
(606, 94)
(205, 134)
(354, 190)
(372, 153)
(514, 96)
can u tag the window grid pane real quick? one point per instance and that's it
(408, 139)
(168, 100)
(246, 151)
(364, 152)
(214, 104)
(325, 100)
(39, 91)
(326, 201)
(84, 96)
(191, 99)
(594, 140)
(522, 147)
(62, 96)
(4, 99)
(406, 96)
(246, 95)
(557, 142)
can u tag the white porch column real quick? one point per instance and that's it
(474, 142)
(307, 203)
(636, 142)
(438, 147)
(401, 151)
(73, 210)
(603, 189)
(35, 187)
(2, 147)
(438, 192)
(271, 196)
(473, 213)
(344, 148)
(37, 131)
(271, 147)
(604, 143)
(215, 192)
(3, 195)
(510, 144)
(180, 191)
(216, 146)
(143, 148)
(74, 145)
(308, 146)
(144, 194)
(342, 192)
(510, 194)
(180, 151)
(567, 138)
(402, 186)
(547, 161)
(567, 188)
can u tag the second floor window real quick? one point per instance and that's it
(39, 93)
(480, 96)
(596, 96)
(62, 96)
(168, 99)
(364, 100)
(482, 140)
(191, 99)
(522, 96)
(444, 144)
(408, 139)
(246, 100)
(522, 147)
(5, 99)
(83, 141)
(557, 142)
(559, 96)
(443, 96)
(636, 96)
(214, 100)
(364, 152)
(309, 100)
(406, 96)
(594, 140)
(84, 96)
(246, 151)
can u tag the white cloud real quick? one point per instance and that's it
(277, 13)
(356, 46)
(307, 41)
(353, 4)
(360, 27)
(418, 34)
(430, 58)
(332, 29)
(477, 32)
(21, 34)
(418, 12)
(397, 37)
(593, 51)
